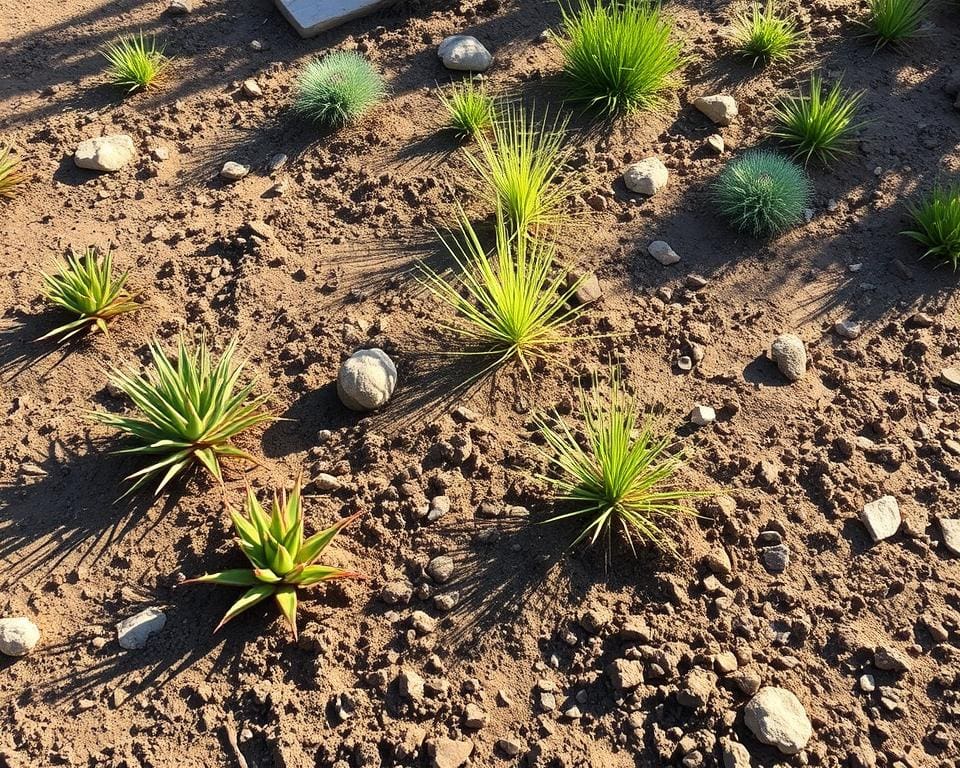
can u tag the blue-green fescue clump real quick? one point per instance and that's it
(936, 224)
(762, 193)
(338, 88)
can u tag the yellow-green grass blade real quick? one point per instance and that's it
(286, 597)
(250, 598)
(238, 577)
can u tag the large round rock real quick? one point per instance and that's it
(776, 717)
(18, 636)
(366, 380)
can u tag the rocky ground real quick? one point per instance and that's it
(813, 616)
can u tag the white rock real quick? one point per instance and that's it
(105, 153)
(717, 144)
(366, 380)
(311, 17)
(951, 377)
(464, 54)
(735, 755)
(232, 171)
(776, 717)
(133, 632)
(790, 355)
(180, 6)
(251, 89)
(18, 636)
(663, 253)
(848, 329)
(951, 534)
(701, 415)
(882, 517)
(646, 177)
(720, 108)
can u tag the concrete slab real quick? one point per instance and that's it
(311, 17)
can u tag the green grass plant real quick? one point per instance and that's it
(764, 35)
(338, 88)
(895, 21)
(135, 62)
(936, 224)
(471, 110)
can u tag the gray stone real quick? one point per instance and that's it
(720, 108)
(410, 685)
(233, 171)
(464, 53)
(777, 718)
(847, 329)
(646, 177)
(890, 659)
(790, 356)
(105, 153)
(18, 636)
(134, 632)
(950, 529)
(776, 558)
(366, 380)
(397, 592)
(882, 517)
(509, 747)
(662, 252)
(716, 143)
(311, 17)
(951, 377)
(701, 415)
(180, 7)
(440, 569)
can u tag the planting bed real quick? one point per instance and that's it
(509, 648)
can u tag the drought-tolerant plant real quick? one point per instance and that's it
(520, 169)
(762, 34)
(85, 286)
(191, 409)
(11, 177)
(893, 21)
(819, 124)
(509, 304)
(338, 88)
(282, 559)
(936, 224)
(470, 108)
(135, 62)
(621, 475)
(619, 56)
(762, 193)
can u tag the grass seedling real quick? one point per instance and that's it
(520, 167)
(762, 193)
(621, 475)
(764, 36)
(85, 286)
(894, 21)
(619, 57)
(936, 224)
(282, 559)
(511, 303)
(338, 88)
(134, 62)
(191, 409)
(471, 110)
(11, 177)
(819, 124)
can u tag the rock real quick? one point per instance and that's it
(423, 623)
(410, 685)
(790, 356)
(776, 717)
(776, 558)
(725, 662)
(882, 517)
(696, 688)
(625, 674)
(251, 89)
(509, 747)
(311, 17)
(474, 717)
(646, 177)
(950, 529)
(18, 636)
(890, 659)
(716, 143)
(440, 569)
(232, 171)
(397, 592)
(450, 753)
(735, 755)
(133, 632)
(663, 253)
(701, 415)
(105, 153)
(847, 329)
(464, 54)
(588, 288)
(950, 377)
(718, 561)
(180, 7)
(595, 619)
(867, 683)
(366, 380)
(720, 108)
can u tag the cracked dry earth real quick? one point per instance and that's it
(477, 638)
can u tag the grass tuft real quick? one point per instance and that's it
(85, 286)
(282, 559)
(763, 35)
(762, 193)
(470, 108)
(135, 62)
(11, 177)
(894, 21)
(520, 166)
(511, 303)
(619, 57)
(620, 475)
(191, 409)
(338, 88)
(819, 124)
(936, 224)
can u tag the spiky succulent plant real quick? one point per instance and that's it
(85, 286)
(282, 559)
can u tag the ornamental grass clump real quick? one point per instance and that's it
(621, 475)
(282, 559)
(470, 109)
(763, 35)
(819, 124)
(338, 88)
(762, 193)
(936, 224)
(520, 169)
(894, 21)
(619, 57)
(190, 408)
(511, 302)
(86, 287)
(135, 62)
(11, 177)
